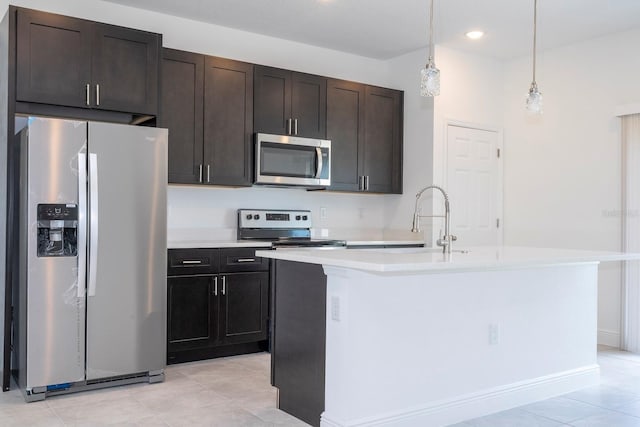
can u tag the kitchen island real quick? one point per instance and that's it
(414, 337)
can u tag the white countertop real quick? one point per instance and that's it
(225, 238)
(433, 260)
(189, 244)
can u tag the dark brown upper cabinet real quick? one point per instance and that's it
(382, 154)
(206, 103)
(181, 106)
(289, 103)
(72, 62)
(364, 124)
(345, 130)
(228, 121)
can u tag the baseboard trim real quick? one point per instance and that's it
(485, 402)
(609, 338)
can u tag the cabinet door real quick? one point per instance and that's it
(191, 312)
(382, 155)
(272, 100)
(181, 106)
(244, 307)
(228, 122)
(125, 69)
(345, 130)
(309, 105)
(53, 59)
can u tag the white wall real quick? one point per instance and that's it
(563, 169)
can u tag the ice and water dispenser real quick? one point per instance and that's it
(57, 230)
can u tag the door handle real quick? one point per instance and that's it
(93, 222)
(82, 224)
(319, 162)
(361, 183)
(246, 260)
(97, 94)
(208, 173)
(289, 126)
(191, 261)
(366, 183)
(224, 285)
(200, 173)
(215, 286)
(88, 89)
(295, 127)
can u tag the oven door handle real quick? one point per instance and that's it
(319, 162)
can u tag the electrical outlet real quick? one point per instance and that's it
(323, 213)
(494, 334)
(335, 308)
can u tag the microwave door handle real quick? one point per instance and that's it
(319, 162)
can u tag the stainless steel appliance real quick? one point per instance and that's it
(292, 161)
(92, 297)
(284, 228)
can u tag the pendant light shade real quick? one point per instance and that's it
(430, 75)
(534, 98)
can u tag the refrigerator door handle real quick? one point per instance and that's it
(93, 222)
(82, 224)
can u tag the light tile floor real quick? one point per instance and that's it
(235, 391)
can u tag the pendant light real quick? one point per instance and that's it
(534, 99)
(430, 75)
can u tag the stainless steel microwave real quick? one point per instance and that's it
(292, 160)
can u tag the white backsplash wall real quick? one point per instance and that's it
(213, 209)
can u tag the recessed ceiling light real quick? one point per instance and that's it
(474, 35)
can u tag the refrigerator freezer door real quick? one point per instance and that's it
(126, 305)
(55, 326)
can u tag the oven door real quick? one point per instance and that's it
(292, 161)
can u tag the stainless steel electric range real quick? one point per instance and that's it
(284, 228)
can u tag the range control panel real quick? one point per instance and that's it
(262, 218)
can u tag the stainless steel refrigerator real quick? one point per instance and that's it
(92, 298)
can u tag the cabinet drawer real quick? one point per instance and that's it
(242, 259)
(183, 262)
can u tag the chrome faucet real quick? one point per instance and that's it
(444, 241)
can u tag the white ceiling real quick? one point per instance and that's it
(385, 28)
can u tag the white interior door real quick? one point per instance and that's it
(474, 185)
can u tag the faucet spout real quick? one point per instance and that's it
(444, 241)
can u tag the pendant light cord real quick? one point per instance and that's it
(535, 32)
(431, 32)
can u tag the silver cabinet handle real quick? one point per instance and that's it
(246, 260)
(318, 161)
(224, 285)
(82, 224)
(295, 127)
(191, 261)
(93, 222)
(208, 173)
(361, 183)
(289, 126)
(200, 173)
(88, 90)
(97, 94)
(366, 183)
(215, 286)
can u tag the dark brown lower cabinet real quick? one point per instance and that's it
(214, 315)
